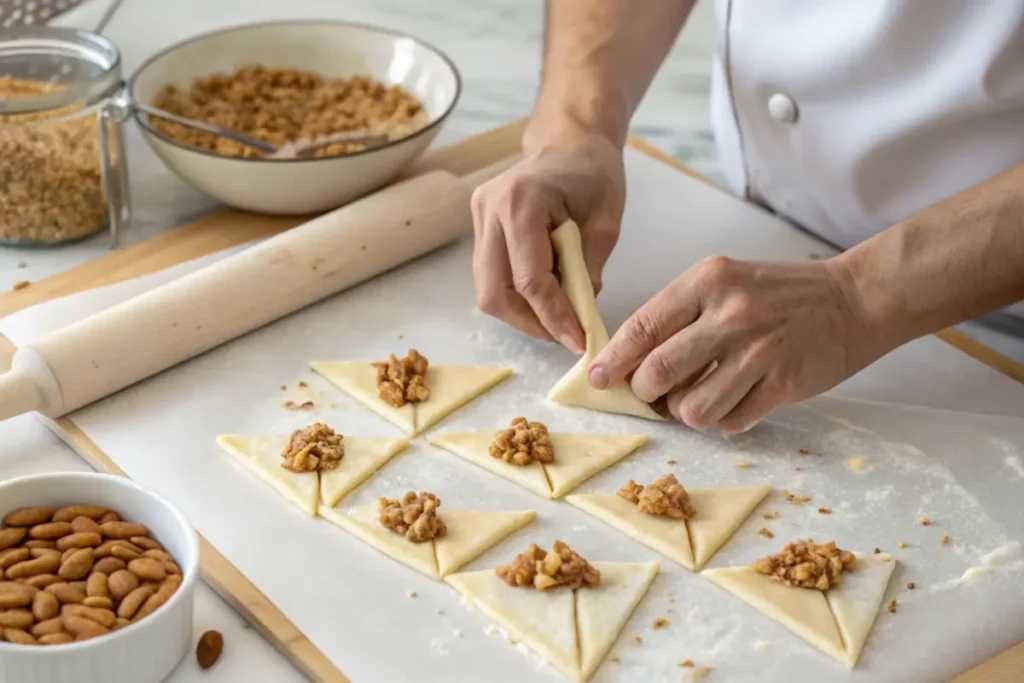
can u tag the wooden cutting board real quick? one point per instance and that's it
(227, 228)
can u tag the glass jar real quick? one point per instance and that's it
(63, 175)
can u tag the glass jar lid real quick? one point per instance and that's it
(86, 65)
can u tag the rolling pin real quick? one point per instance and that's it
(76, 365)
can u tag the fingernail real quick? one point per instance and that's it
(570, 343)
(598, 377)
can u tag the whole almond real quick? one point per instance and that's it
(109, 565)
(50, 530)
(66, 514)
(133, 601)
(16, 618)
(18, 637)
(45, 606)
(16, 594)
(66, 555)
(124, 553)
(66, 593)
(121, 583)
(122, 530)
(76, 566)
(81, 525)
(102, 603)
(172, 568)
(96, 585)
(83, 628)
(28, 516)
(157, 600)
(209, 648)
(81, 539)
(48, 627)
(148, 569)
(44, 552)
(39, 543)
(11, 536)
(41, 581)
(100, 615)
(13, 556)
(47, 564)
(119, 623)
(145, 543)
(109, 517)
(157, 555)
(57, 639)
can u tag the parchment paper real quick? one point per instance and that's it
(962, 470)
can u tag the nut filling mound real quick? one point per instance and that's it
(543, 570)
(313, 449)
(664, 496)
(414, 516)
(806, 564)
(400, 381)
(522, 443)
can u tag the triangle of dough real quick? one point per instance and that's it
(543, 621)
(720, 512)
(803, 611)
(262, 455)
(574, 389)
(363, 523)
(857, 600)
(580, 456)
(473, 532)
(451, 387)
(602, 612)
(665, 535)
(364, 455)
(475, 447)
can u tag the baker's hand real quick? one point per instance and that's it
(513, 216)
(729, 341)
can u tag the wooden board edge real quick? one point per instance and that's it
(1006, 667)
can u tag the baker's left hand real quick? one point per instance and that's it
(729, 341)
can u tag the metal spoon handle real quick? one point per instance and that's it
(304, 148)
(207, 127)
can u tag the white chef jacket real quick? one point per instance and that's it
(847, 116)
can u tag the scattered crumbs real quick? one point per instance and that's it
(701, 672)
(334, 405)
(686, 663)
(660, 623)
(362, 248)
(401, 336)
(804, 451)
(638, 640)
(945, 540)
(617, 660)
(21, 264)
(671, 462)
(770, 515)
(672, 600)
(744, 464)
(856, 464)
(305, 405)
(901, 544)
(284, 388)
(799, 469)
(797, 500)
(911, 585)
(825, 511)
(21, 285)
(877, 550)
(408, 222)
(766, 533)
(290, 405)
(740, 449)
(302, 385)
(892, 607)
(411, 594)
(926, 521)
(513, 641)
(440, 611)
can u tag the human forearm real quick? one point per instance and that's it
(953, 261)
(599, 60)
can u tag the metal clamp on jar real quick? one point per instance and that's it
(63, 170)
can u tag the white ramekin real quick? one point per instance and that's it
(144, 652)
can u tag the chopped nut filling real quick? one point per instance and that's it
(543, 570)
(892, 607)
(911, 585)
(701, 672)
(945, 540)
(414, 516)
(686, 663)
(766, 533)
(901, 544)
(522, 443)
(806, 564)
(400, 381)
(770, 515)
(664, 496)
(825, 511)
(660, 623)
(797, 500)
(313, 449)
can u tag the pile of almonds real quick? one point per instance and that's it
(77, 573)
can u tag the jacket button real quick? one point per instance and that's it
(782, 108)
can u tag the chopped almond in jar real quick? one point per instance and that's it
(522, 443)
(400, 381)
(797, 500)
(316, 448)
(770, 515)
(664, 497)
(414, 516)
(543, 570)
(660, 623)
(766, 533)
(806, 564)
(701, 672)
(825, 511)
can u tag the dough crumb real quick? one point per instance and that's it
(617, 660)
(670, 462)
(660, 623)
(856, 464)
(744, 464)
(284, 388)
(911, 585)
(892, 607)
(334, 405)
(411, 594)
(766, 533)
(401, 336)
(945, 540)
(901, 544)
(825, 511)
(701, 672)
(638, 640)
(686, 663)
(770, 515)
(21, 264)
(440, 611)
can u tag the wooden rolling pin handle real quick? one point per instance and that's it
(30, 385)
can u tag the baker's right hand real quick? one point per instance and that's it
(579, 177)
